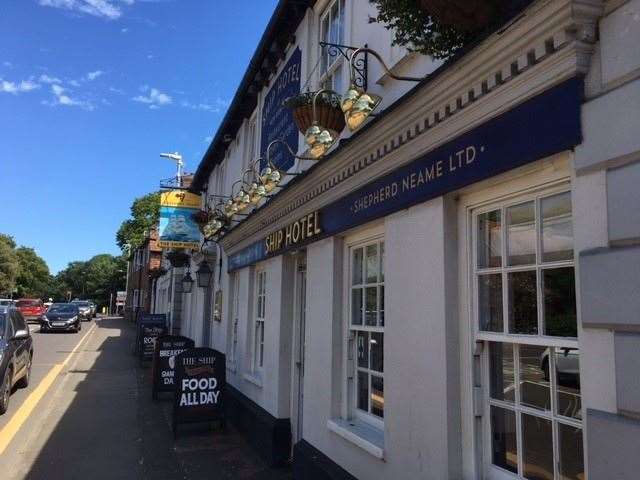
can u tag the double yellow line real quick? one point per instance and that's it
(20, 417)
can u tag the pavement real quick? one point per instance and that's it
(88, 413)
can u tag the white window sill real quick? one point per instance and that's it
(253, 379)
(370, 439)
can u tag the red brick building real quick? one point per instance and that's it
(144, 264)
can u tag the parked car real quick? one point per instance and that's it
(6, 302)
(31, 308)
(85, 309)
(16, 353)
(63, 317)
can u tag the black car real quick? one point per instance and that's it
(16, 354)
(62, 316)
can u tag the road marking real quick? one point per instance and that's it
(20, 417)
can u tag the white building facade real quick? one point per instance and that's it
(452, 291)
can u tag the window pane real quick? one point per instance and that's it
(356, 306)
(537, 448)
(504, 450)
(570, 452)
(559, 289)
(523, 303)
(534, 378)
(377, 396)
(371, 306)
(382, 262)
(381, 293)
(568, 381)
(363, 349)
(501, 371)
(372, 263)
(557, 228)
(377, 351)
(363, 391)
(356, 277)
(490, 302)
(521, 231)
(490, 239)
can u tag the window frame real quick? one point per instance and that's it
(327, 73)
(351, 410)
(516, 340)
(258, 333)
(234, 317)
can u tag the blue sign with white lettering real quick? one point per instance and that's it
(277, 120)
(546, 124)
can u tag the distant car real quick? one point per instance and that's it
(31, 308)
(62, 317)
(94, 308)
(16, 353)
(85, 309)
(6, 302)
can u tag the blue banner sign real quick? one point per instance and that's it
(542, 126)
(277, 120)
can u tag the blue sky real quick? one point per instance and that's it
(91, 91)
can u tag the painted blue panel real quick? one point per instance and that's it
(277, 120)
(546, 124)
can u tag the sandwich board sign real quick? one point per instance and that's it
(200, 378)
(168, 347)
(150, 327)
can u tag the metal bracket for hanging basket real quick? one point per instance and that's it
(360, 64)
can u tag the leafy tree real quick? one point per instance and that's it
(33, 278)
(145, 212)
(8, 265)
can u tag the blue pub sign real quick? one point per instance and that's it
(277, 120)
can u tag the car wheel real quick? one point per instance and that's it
(24, 381)
(5, 392)
(79, 327)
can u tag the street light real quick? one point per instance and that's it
(176, 157)
(187, 282)
(203, 275)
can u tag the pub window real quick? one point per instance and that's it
(332, 31)
(366, 329)
(525, 316)
(258, 327)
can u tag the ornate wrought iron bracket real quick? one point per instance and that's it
(360, 63)
(172, 184)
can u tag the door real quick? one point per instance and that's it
(20, 345)
(300, 311)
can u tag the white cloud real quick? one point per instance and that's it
(154, 99)
(16, 88)
(218, 105)
(124, 30)
(44, 78)
(60, 97)
(98, 8)
(74, 83)
(7, 64)
(208, 139)
(91, 76)
(116, 90)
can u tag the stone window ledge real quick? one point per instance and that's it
(369, 438)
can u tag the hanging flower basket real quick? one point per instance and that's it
(201, 217)
(178, 258)
(464, 15)
(329, 113)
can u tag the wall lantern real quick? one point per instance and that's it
(204, 275)
(187, 282)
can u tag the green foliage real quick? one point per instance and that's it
(94, 279)
(8, 265)
(145, 212)
(416, 30)
(33, 278)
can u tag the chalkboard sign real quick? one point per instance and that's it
(200, 377)
(163, 370)
(150, 327)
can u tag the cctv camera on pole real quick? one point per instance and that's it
(176, 157)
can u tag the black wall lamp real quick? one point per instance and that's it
(204, 275)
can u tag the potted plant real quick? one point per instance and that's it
(328, 111)
(201, 217)
(178, 257)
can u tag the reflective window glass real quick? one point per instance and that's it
(489, 239)
(521, 232)
(557, 228)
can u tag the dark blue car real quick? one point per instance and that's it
(16, 354)
(62, 316)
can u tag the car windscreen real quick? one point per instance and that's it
(82, 304)
(28, 303)
(62, 309)
(4, 303)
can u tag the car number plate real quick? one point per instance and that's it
(58, 324)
